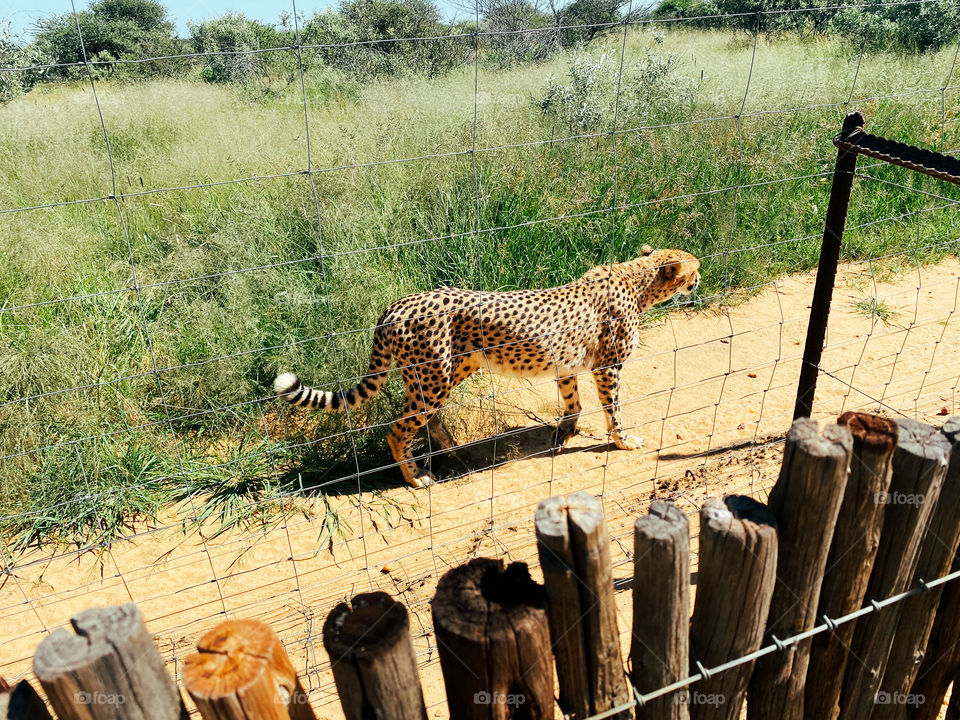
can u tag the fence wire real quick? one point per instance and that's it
(275, 529)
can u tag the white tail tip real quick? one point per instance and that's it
(285, 382)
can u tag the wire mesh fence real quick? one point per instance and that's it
(160, 468)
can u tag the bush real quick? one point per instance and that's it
(590, 13)
(522, 32)
(112, 30)
(15, 55)
(230, 43)
(651, 91)
(915, 28)
(360, 21)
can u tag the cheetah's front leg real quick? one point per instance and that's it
(608, 389)
(571, 408)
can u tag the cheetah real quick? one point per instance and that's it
(439, 338)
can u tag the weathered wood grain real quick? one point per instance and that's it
(241, 671)
(109, 669)
(805, 502)
(494, 642)
(574, 552)
(919, 467)
(660, 647)
(372, 657)
(852, 550)
(737, 572)
(918, 612)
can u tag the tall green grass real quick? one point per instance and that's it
(239, 281)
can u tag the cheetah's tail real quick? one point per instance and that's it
(289, 387)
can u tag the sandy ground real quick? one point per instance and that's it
(712, 394)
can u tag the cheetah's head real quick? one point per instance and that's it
(678, 272)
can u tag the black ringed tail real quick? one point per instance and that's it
(289, 387)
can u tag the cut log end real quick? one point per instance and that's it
(872, 432)
(923, 441)
(835, 441)
(374, 623)
(234, 656)
(663, 521)
(951, 428)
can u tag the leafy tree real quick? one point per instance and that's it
(594, 14)
(112, 30)
(16, 55)
(910, 27)
(359, 21)
(230, 43)
(388, 19)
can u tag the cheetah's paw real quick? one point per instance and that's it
(628, 442)
(422, 479)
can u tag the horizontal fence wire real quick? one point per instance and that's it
(710, 388)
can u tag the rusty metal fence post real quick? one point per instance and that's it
(851, 142)
(843, 174)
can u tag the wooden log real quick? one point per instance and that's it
(494, 642)
(737, 572)
(852, 551)
(575, 556)
(919, 466)
(941, 662)
(660, 650)
(373, 662)
(21, 702)
(109, 669)
(805, 502)
(953, 709)
(937, 552)
(241, 671)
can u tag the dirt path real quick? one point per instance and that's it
(711, 393)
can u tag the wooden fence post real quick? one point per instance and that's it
(917, 614)
(919, 465)
(241, 671)
(852, 551)
(805, 502)
(109, 669)
(737, 572)
(575, 557)
(21, 702)
(494, 642)
(941, 662)
(373, 662)
(660, 650)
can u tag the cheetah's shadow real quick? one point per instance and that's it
(353, 475)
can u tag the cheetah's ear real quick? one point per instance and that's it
(671, 269)
(646, 250)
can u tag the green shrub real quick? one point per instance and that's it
(112, 30)
(651, 91)
(15, 55)
(387, 22)
(230, 43)
(590, 13)
(910, 27)
(522, 32)
(917, 28)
